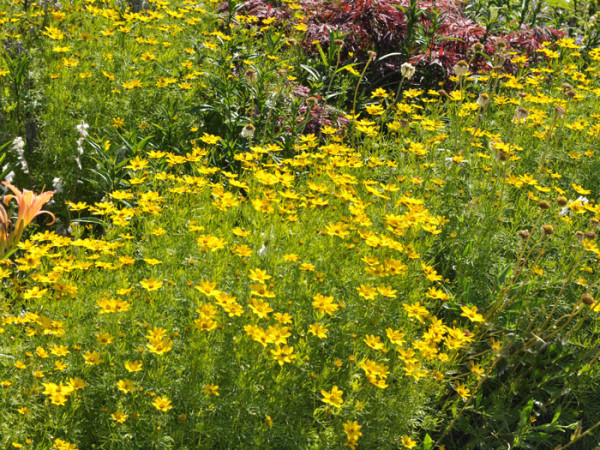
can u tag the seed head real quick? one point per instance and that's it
(559, 111)
(524, 234)
(483, 100)
(548, 230)
(543, 204)
(477, 47)
(461, 68)
(407, 70)
(251, 75)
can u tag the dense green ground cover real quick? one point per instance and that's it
(257, 248)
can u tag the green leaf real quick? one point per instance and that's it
(565, 4)
(427, 442)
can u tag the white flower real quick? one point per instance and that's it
(10, 177)
(18, 145)
(82, 128)
(57, 185)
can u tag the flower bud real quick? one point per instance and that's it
(587, 299)
(548, 230)
(562, 201)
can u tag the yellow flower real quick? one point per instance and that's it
(210, 139)
(407, 442)
(318, 330)
(333, 398)
(283, 354)
(463, 391)
(126, 386)
(472, 314)
(135, 366)
(211, 389)
(119, 416)
(151, 284)
(162, 404)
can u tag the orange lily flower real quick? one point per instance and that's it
(30, 206)
(4, 233)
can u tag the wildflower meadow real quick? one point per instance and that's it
(289, 224)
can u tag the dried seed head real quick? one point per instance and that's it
(522, 94)
(521, 114)
(407, 70)
(587, 299)
(498, 60)
(461, 68)
(443, 93)
(248, 131)
(251, 75)
(404, 123)
(311, 102)
(372, 55)
(579, 235)
(559, 111)
(562, 201)
(524, 234)
(570, 93)
(543, 204)
(477, 47)
(501, 44)
(590, 235)
(483, 100)
(595, 222)
(548, 230)
(339, 42)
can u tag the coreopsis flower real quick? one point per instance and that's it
(211, 389)
(334, 397)
(352, 430)
(463, 391)
(119, 416)
(407, 442)
(162, 404)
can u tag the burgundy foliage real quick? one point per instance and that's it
(380, 25)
